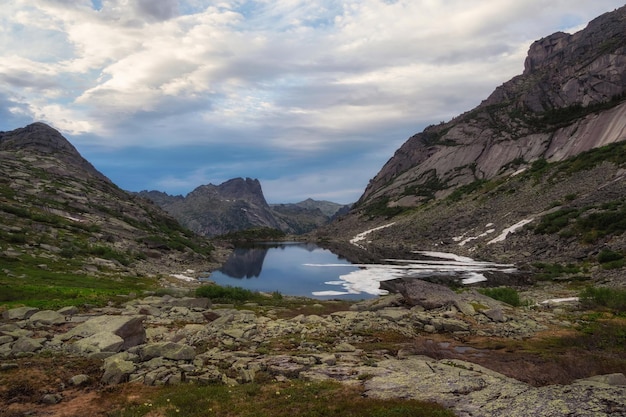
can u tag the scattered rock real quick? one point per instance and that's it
(19, 313)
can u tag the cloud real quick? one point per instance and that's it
(281, 78)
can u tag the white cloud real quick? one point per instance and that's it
(284, 74)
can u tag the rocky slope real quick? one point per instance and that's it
(57, 209)
(533, 175)
(239, 204)
(568, 100)
(158, 340)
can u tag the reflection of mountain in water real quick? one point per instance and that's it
(245, 262)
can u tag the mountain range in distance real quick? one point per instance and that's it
(239, 204)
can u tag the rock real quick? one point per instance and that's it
(47, 317)
(26, 345)
(610, 379)
(79, 380)
(68, 311)
(19, 313)
(5, 339)
(422, 293)
(129, 328)
(117, 369)
(167, 350)
(471, 390)
(52, 399)
(191, 303)
(8, 366)
(495, 314)
(99, 342)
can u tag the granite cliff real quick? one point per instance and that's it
(534, 174)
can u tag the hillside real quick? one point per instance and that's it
(533, 175)
(61, 216)
(239, 204)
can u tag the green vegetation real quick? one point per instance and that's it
(27, 282)
(505, 294)
(295, 398)
(552, 271)
(588, 223)
(258, 234)
(380, 208)
(601, 297)
(229, 294)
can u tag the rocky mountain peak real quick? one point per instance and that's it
(569, 99)
(40, 139)
(240, 188)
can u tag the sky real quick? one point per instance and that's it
(310, 97)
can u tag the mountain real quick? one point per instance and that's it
(569, 99)
(58, 210)
(239, 204)
(535, 174)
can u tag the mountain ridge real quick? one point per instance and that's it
(58, 209)
(535, 175)
(239, 204)
(542, 113)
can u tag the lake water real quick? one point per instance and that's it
(299, 269)
(305, 269)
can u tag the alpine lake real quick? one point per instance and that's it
(308, 270)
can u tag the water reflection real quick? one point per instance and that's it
(285, 267)
(304, 269)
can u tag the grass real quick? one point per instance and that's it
(550, 271)
(237, 295)
(505, 294)
(296, 398)
(26, 283)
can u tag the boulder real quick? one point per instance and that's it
(117, 369)
(47, 317)
(26, 345)
(79, 380)
(167, 350)
(422, 293)
(19, 313)
(99, 342)
(129, 328)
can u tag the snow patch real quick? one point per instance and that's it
(361, 236)
(184, 277)
(502, 236)
(367, 278)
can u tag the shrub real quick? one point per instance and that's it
(505, 294)
(614, 299)
(226, 294)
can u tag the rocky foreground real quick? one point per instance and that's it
(157, 340)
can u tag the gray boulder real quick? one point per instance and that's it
(117, 369)
(129, 328)
(19, 313)
(26, 345)
(47, 317)
(167, 350)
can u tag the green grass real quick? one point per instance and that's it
(24, 282)
(505, 294)
(296, 398)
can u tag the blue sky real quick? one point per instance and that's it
(310, 97)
